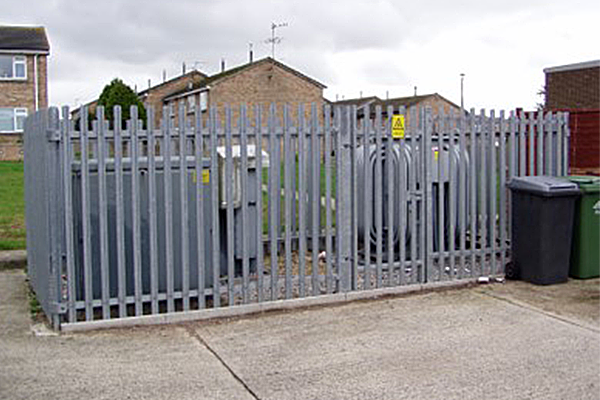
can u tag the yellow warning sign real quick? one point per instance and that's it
(398, 126)
(205, 176)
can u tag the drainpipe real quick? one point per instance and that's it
(35, 82)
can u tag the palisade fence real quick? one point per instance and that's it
(207, 212)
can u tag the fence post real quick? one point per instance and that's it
(53, 174)
(345, 201)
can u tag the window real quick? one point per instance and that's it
(12, 119)
(191, 100)
(13, 67)
(203, 100)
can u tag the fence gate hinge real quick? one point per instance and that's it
(53, 135)
(59, 308)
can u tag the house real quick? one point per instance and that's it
(263, 82)
(23, 83)
(576, 88)
(434, 100)
(154, 95)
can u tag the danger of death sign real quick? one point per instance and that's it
(398, 127)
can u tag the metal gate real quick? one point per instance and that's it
(233, 210)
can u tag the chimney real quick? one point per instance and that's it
(149, 83)
(415, 90)
(164, 75)
(250, 54)
(360, 94)
(183, 68)
(387, 94)
(222, 64)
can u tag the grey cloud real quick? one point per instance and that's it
(134, 38)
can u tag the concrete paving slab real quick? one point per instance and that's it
(577, 299)
(141, 363)
(484, 342)
(451, 345)
(14, 309)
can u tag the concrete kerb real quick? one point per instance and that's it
(272, 306)
(13, 259)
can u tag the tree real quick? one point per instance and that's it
(541, 93)
(118, 93)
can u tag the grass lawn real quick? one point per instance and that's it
(12, 206)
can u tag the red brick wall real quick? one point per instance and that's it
(584, 151)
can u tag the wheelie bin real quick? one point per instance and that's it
(585, 252)
(542, 228)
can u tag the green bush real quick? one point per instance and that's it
(118, 93)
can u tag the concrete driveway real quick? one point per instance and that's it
(502, 341)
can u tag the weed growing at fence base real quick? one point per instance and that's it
(12, 206)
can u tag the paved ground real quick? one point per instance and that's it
(503, 341)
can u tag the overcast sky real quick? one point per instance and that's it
(351, 46)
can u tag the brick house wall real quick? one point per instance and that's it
(576, 88)
(263, 85)
(573, 87)
(21, 93)
(434, 101)
(153, 97)
(437, 103)
(264, 82)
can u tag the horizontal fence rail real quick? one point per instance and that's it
(246, 205)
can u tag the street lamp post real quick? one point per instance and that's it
(462, 100)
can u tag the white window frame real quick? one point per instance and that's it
(203, 100)
(191, 103)
(22, 60)
(17, 112)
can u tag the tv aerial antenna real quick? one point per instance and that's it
(274, 40)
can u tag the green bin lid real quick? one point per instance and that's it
(587, 183)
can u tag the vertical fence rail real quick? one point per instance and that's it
(502, 193)
(328, 197)
(152, 212)
(368, 204)
(183, 198)
(228, 197)
(103, 212)
(404, 197)
(414, 198)
(67, 151)
(243, 126)
(289, 197)
(492, 192)
(135, 206)
(259, 206)
(462, 194)
(388, 197)
(214, 174)
(86, 213)
(200, 220)
(316, 198)
(302, 200)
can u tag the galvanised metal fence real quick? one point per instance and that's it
(207, 212)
